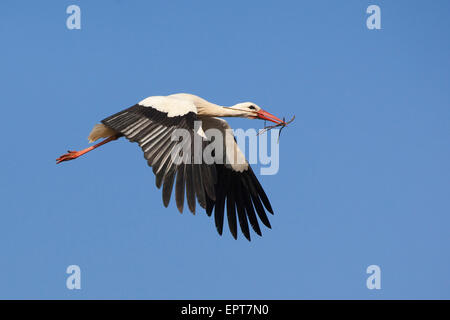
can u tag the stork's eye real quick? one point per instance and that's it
(252, 108)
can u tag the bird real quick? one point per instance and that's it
(152, 122)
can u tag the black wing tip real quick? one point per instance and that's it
(241, 196)
(258, 232)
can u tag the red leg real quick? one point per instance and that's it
(70, 155)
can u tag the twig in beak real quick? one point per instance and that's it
(282, 125)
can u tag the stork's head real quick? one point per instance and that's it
(253, 111)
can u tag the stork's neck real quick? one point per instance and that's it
(208, 109)
(214, 110)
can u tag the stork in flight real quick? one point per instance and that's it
(151, 123)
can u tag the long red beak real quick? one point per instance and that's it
(261, 114)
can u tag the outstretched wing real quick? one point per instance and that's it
(237, 186)
(151, 123)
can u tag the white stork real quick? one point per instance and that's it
(151, 123)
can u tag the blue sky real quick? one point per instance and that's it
(364, 170)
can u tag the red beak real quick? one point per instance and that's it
(270, 117)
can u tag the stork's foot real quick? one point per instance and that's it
(70, 155)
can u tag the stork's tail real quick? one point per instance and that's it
(100, 131)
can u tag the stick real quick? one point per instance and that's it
(282, 125)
